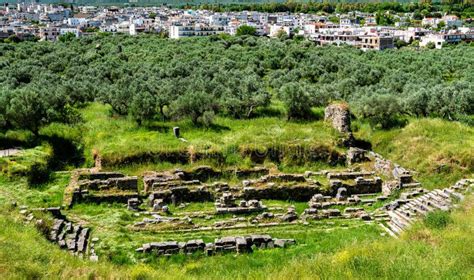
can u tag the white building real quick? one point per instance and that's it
(76, 21)
(180, 31)
(451, 38)
(74, 31)
(276, 29)
(430, 22)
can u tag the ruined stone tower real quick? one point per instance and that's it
(340, 117)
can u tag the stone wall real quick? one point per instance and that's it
(122, 183)
(156, 181)
(360, 185)
(181, 194)
(282, 192)
(232, 244)
(100, 175)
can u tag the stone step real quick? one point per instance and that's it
(394, 228)
(454, 194)
(412, 211)
(440, 200)
(82, 240)
(399, 222)
(442, 194)
(399, 219)
(389, 231)
(407, 214)
(420, 207)
(423, 201)
(411, 185)
(438, 204)
(412, 207)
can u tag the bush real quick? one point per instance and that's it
(246, 30)
(38, 173)
(297, 101)
(437, 219)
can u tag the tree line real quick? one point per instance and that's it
(150, 78)
(462, 8)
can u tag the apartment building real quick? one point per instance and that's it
(180, 31)
(376, 42)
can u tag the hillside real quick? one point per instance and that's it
(438, 253)
(234, 157)
(329, 250)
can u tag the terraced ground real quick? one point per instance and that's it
(439, 152)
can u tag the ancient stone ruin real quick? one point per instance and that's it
(416, 204)
(66, 234)
(70, 236)
(356, 155)
(226, 204)
(351, 195)
(97, 187)
(232, 244)
(339, 116)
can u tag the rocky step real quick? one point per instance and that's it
(412, 212)
(58, 225)
(403, 214)
(423, 203)
(435, 204)
(407, 214)
(411, 185)
(442, 194)
(83, 240)
(399, 223)
(388, 230)
(438, 199)
(238, 244)
(69, 236)
(395, 228)
(400, 220)
(454, 194)
(418, 207)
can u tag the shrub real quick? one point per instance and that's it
(38, 173)
(437, 219)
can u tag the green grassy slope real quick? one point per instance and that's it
(116, 138)
(359, 253)
(441, 152)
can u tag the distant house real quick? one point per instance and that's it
(74, 31)
(49, 33)
(429, 21)
(76, 21)
(370, 21)
(346, 21)
(451, 21)
(180, 31)
(376, 42)
(451, 38)
(412, 33)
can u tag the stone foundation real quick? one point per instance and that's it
(229, 244)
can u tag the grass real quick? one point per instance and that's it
(116, 138)
(441, 152)
(22, 163)
(437, 247)
(41, 195)
(437, 219)
(357, 253)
